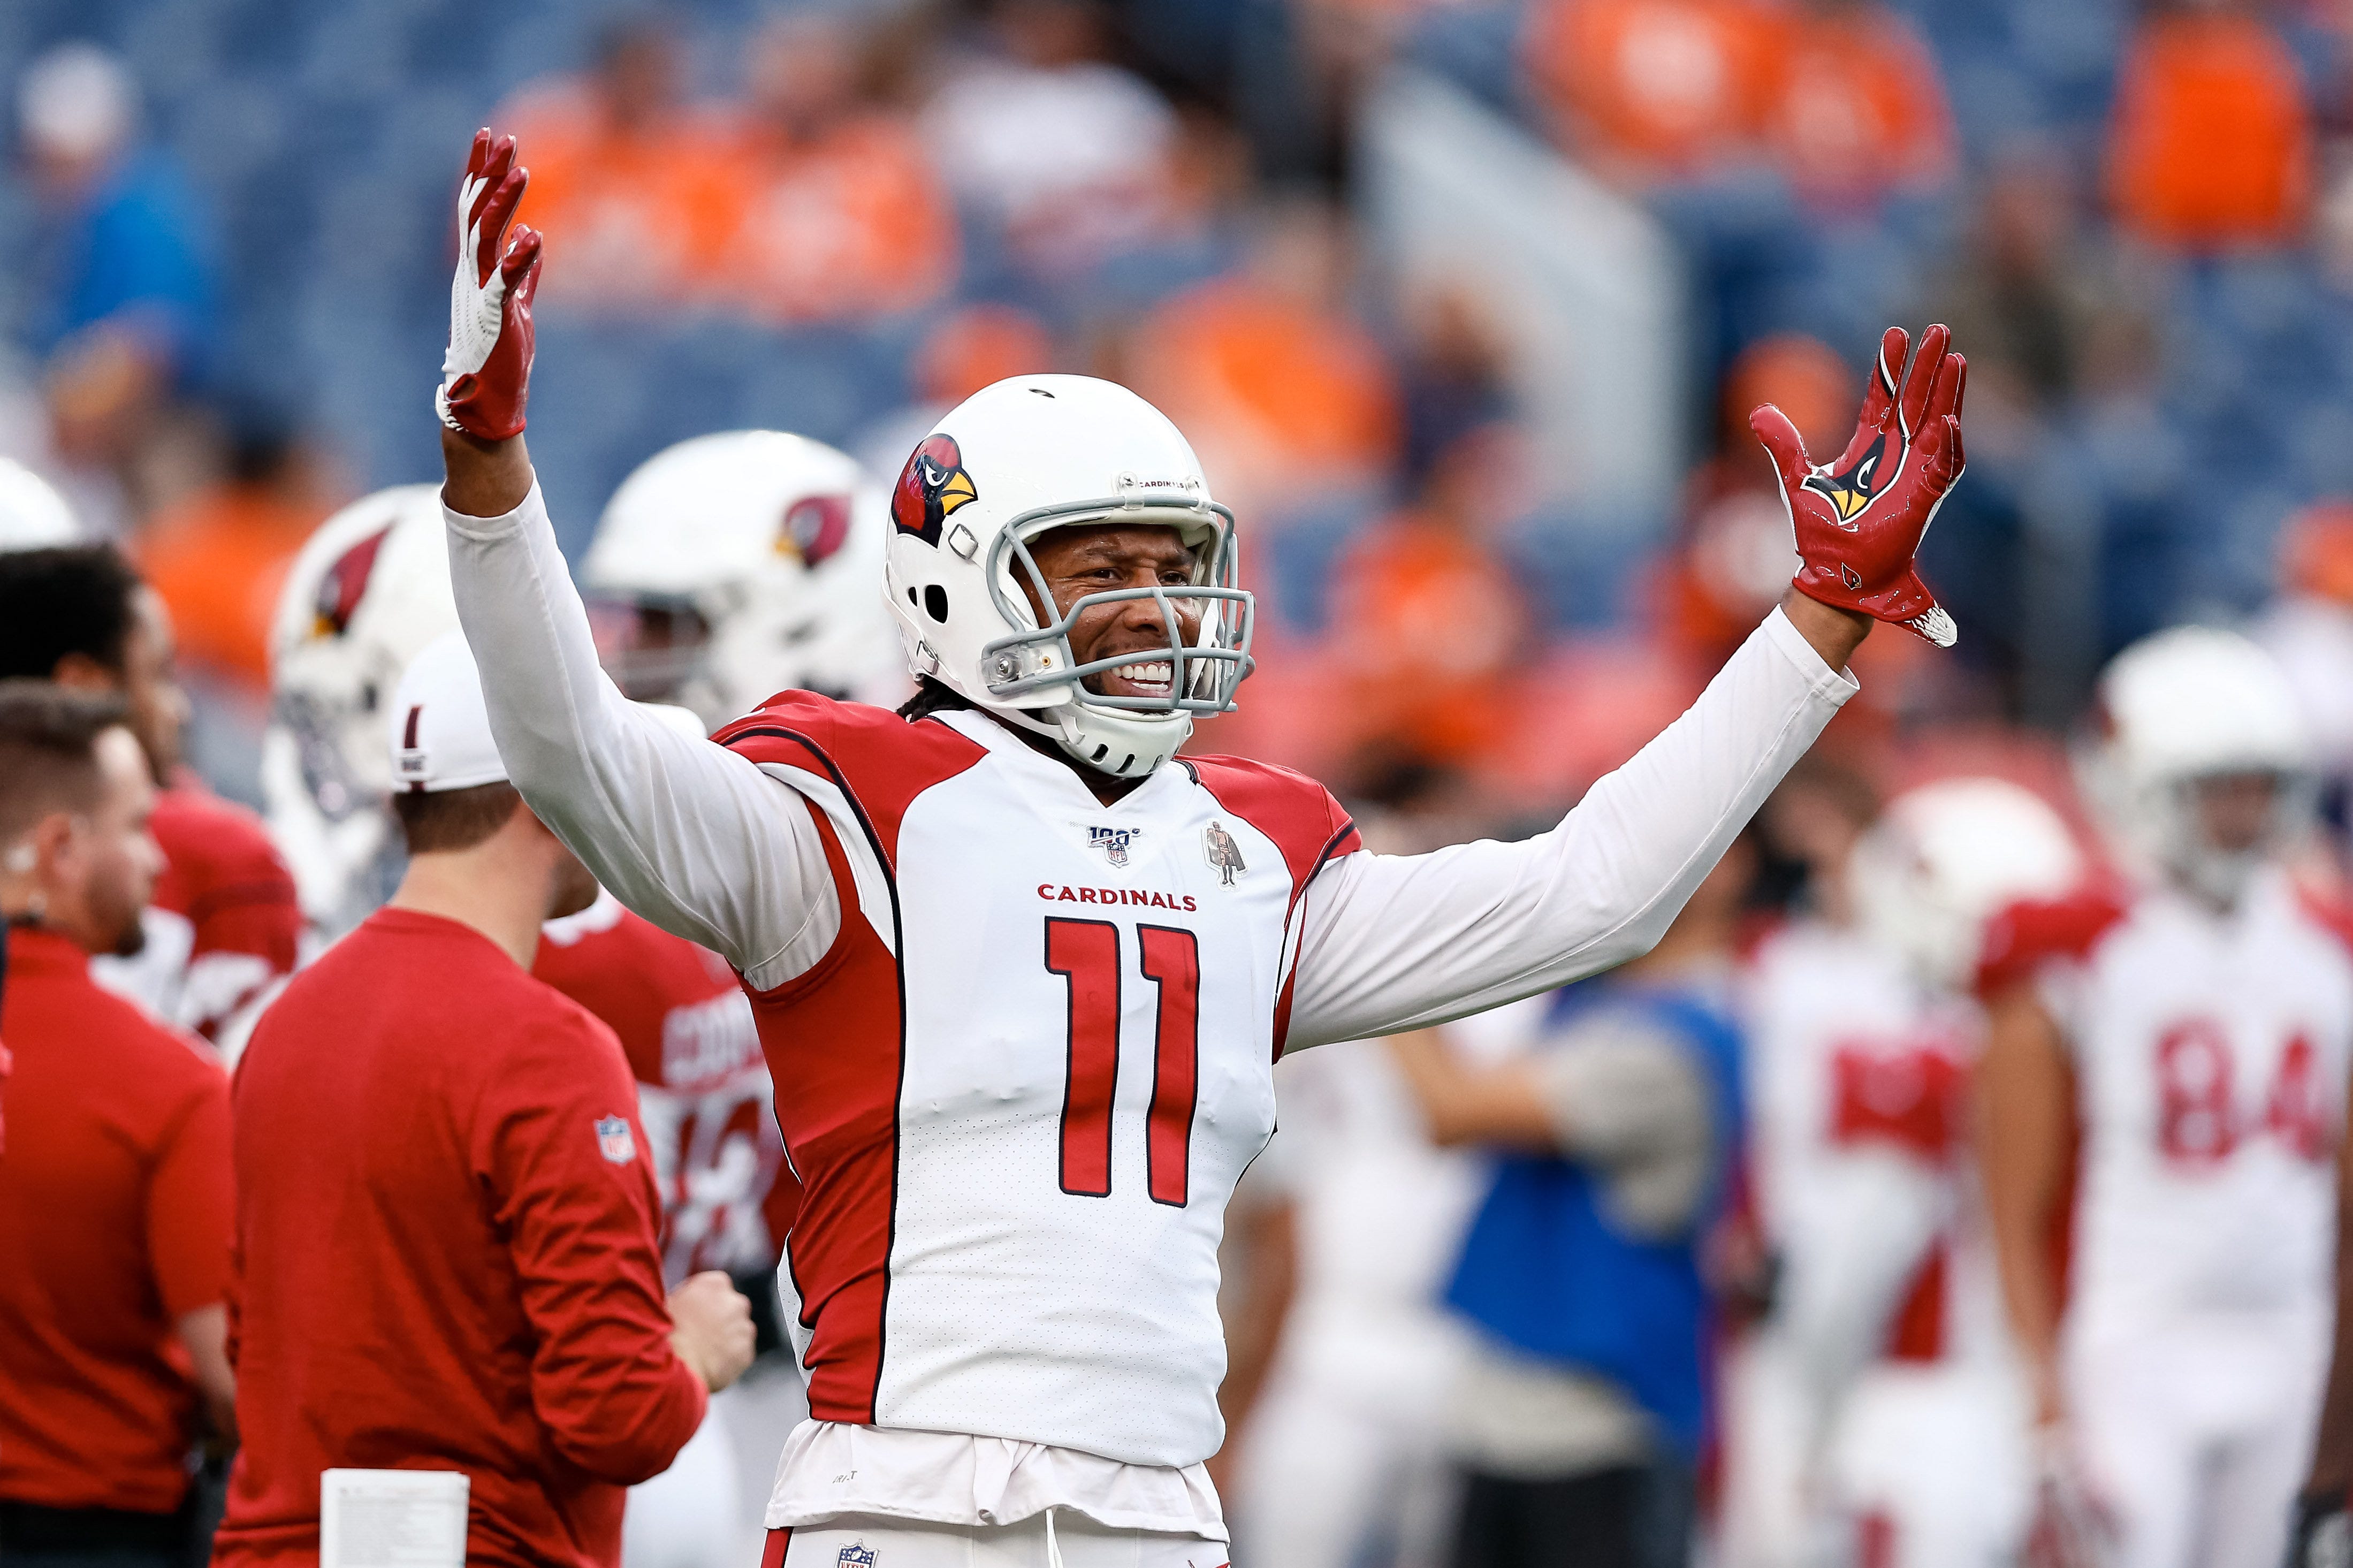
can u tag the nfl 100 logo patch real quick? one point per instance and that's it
(1114, 842)
(856, 1554)
(614, 1140)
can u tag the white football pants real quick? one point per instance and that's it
(1057, 1540)
(2197, 1431)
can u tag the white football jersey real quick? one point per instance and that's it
(1006, 1229)
(2210, 1053)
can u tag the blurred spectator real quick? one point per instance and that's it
(631, 186)
(2211, 143)
(1736, 554)
(1860, 112)
(1583, 1399)
(2034, 293)
(219, 557)
(1065, 154)
(1427, 623)
(842, 214)
(1282, 393)
(126, 311)
(1647, 90)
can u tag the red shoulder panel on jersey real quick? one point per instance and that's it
(2025, 936)
(2329, 912)
(879, 760)
(225, 875)
(1300, 815)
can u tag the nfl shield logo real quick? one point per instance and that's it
(1114, 842)
(856, 1554)
(614, 1142)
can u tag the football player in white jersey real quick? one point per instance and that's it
(1021, 972)
(2194, 1025)
(1876, 1412)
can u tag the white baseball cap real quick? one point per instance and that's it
(438, 726)
(440, 729)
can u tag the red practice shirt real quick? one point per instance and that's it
(445, 1256)
(703, 1092)
(115, 1212)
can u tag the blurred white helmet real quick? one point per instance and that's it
(33, 515)
(1944, 859)
(2177, 709)
(368, 592)
(1016, 460)
(733, 566)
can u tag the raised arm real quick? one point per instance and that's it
(1393, 943)
(690, 834)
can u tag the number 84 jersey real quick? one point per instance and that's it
(2210, 1054)
(1018, 1090)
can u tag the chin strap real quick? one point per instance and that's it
(1053, 1547)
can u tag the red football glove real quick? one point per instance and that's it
(486, 374)
(1859, 520)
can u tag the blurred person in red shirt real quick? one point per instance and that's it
(1859, 113)
(627, 177)
(219, 557)
(115, 1203)
(1285, 395)
(446, 1252)
(225, 922)
(2211, 141)
(1652, 90)
(840, 212)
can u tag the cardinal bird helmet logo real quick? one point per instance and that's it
(931, 487)
(1851, 491)
(346, 580)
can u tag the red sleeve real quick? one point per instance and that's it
(192, 1203)
(240, 896)
(559, 1146)
(2024, 937)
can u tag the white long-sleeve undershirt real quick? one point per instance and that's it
(699, 840)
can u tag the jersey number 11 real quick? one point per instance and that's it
(1085, 954)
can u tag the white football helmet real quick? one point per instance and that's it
(730, 567)
(369, 590)
(2175, 710)
(1948, 856)
(33, 515)
(1010, 463)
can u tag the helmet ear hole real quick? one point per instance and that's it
(935, 603)
(911, 595)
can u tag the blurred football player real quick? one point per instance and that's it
(731, 567)
(224, 923)
(1021, 985)
(2194, 1025)
(1877, 1413)
(368, 592)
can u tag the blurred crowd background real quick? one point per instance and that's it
(1463, 302)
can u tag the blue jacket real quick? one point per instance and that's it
(1545, 1269)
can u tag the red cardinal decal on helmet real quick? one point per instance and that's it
(814, 528)
(346, 580)
(931, 487)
